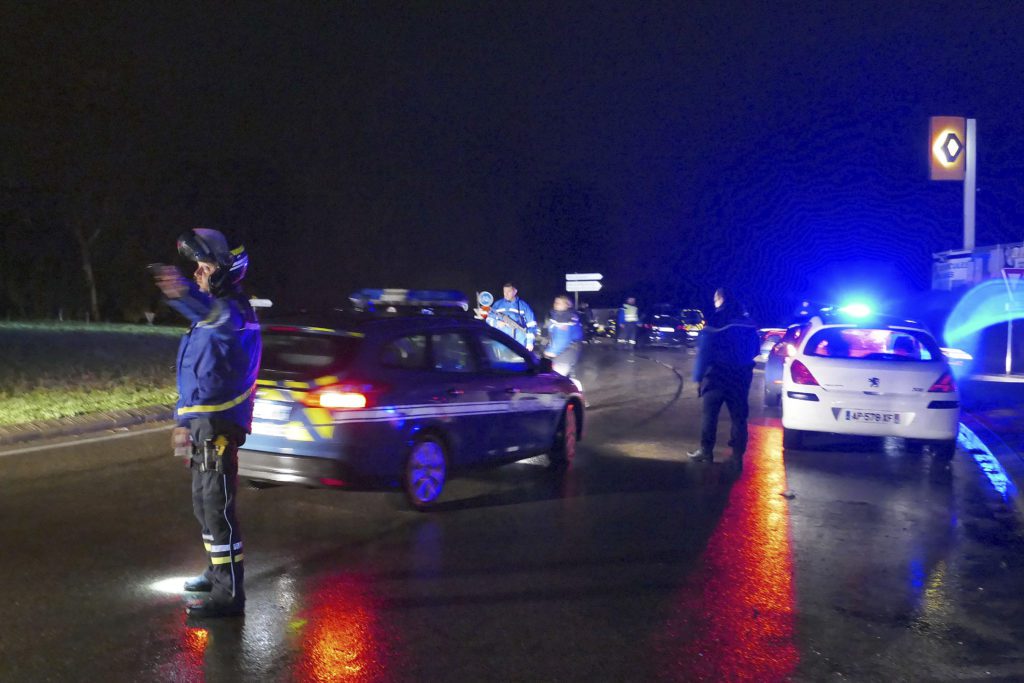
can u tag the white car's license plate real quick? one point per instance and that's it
(873, 416)
(666, 329)
(265, 410)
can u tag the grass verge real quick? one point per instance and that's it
(63, 370)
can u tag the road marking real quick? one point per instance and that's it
(79, 442)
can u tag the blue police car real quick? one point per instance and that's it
(402, 388)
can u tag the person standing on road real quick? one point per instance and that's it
(629, 317)
(565, 334)
(218, 361)
(514, 317)
(723, 372)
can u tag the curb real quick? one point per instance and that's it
(999, 462)
(82, 424)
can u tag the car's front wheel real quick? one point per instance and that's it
(563, 451)
(426, 472)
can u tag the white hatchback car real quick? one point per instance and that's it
(870, 378)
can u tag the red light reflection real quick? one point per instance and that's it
(340, 635)
(734, 618)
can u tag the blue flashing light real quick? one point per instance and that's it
(856, 310)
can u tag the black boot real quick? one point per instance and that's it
(198, 584)
(213, 609)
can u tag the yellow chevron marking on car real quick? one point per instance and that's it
(318, 416)
(296, 431)
(321, 420)
(291, 384)
(266, 383)
(272, 394)
(324, 381)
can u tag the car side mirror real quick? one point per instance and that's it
(545, 365)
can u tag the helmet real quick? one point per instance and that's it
(210, 246)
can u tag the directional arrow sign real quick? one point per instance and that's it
(570, 277)
(582, 286)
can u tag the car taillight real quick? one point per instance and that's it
(944, 384)
(340, 397)
(648, 326)
(800, 374)
(680, 328)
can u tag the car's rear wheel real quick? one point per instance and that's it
(258, 485)
(772, 400)
(944, 450)
(792, 438)
(426, 472)
(563, 451)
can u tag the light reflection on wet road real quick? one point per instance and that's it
(635, 565)
(734, 618)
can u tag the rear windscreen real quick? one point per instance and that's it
(307, 354)
(873, 344)
(692, 317)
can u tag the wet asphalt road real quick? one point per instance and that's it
(877, 564)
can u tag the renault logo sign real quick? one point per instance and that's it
(951, 148)
(947, 148)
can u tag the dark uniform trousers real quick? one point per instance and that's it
(213, 502)
(733, 390)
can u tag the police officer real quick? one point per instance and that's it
(723, 371)
(629, 318)
(514, 317)
(218, 360)
(565, 333)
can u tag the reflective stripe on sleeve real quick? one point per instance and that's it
(219, 407)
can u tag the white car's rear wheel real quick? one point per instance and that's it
(792, 438)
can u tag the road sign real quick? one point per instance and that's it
(948, 146)
(484, 298)
(1012, 278)
(582, 286)
(572, 277)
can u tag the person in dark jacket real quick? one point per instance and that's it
(566, 334)
(723, 372)
(218, 361)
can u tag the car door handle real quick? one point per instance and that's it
(456, 392)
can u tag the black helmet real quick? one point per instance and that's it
(210, 246)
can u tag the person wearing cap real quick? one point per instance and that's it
(218, 360)
(514, 317)
(723, 371)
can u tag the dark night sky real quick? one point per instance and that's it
(780, 148)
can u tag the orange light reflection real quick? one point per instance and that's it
(340, 636)
(734, 618)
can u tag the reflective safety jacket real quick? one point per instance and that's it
(564, 330)
(629, 314)
(218, 358)
(514, 318)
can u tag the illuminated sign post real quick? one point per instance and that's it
(582, 282)
(953, 153)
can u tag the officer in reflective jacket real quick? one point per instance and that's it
(565, 333)
(514, 317)
(218, 361)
